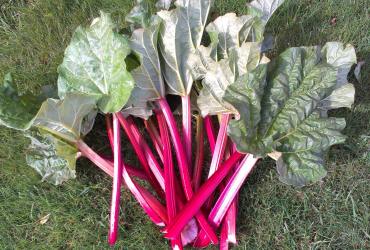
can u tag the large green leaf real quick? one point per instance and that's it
(52, 158)
(140, 15)
(229, 31)
(262, 10)
(149, 85)
(17, 111)
(94, 65)
(218, 75)
(235, 50)
(69, 118)
(265, 8)
(290, 126)
(180, 36)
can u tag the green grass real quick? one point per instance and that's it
(333, 214)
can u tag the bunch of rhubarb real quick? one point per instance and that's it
(233, 103)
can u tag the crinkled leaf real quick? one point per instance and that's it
(302, 168)
(17, 111)
(342, 57)
(302, 159)
(180, 36)
(229, 31)
(245, 96)
(218, 75)
(69, 118)
(300, 83)
(52, 158)
(94, 65)
(342, 97)
(140, 15)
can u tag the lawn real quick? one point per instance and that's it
(333, 214)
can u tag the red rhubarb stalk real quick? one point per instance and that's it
(117, 182)
(186, 127)
(231, 190)
(184, 170)
(154, 213)
(152, 161)
(199, 154)
(217, 157)
(210, 132)
(131, 132)
(155, 137)
(169, 175)
(193, 205)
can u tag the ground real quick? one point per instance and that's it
(333, 214)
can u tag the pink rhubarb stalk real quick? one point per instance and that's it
(210, 130)
(152, 161)
(184, 170)
(231, 190)
(195, 203)
(217, 157)
(199, 157)
(155, 137)
(227, 197)
(186, 127)
(132, 134)
(117, 183)
(169, 175)
(156, 213)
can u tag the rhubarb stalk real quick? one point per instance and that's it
(199, 151)
(131, 132)
(155, 137)
(117, 182)
(186, 127)
(195, 203)
(210, 132)
(169, 176)
(184, 170)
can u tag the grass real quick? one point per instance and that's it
(333, 214)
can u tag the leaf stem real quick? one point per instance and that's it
(155, 137)
(231, 190)
(199, 154)
(169, 175)
(184, 170)
(117, 183)
(186, 128)
(150, 165)
(152, 207)
(210, 132)
(195, 203)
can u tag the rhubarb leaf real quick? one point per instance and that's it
(180, 36)
(218, 75)
(229, 31)
(302, 159)
(52, 158)
(94, 65)
(69, 118)
(163, 4)
(300, 83)
(149, 85)
(17, 111)
(140, 15)
(234, 51)
(265, 8)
